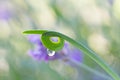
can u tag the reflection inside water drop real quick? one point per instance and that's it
(50, 52)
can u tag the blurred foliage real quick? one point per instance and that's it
(93, 22)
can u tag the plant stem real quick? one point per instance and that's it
(88, 52)
(79, 45)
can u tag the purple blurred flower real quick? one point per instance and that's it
(98, 78)
(111, 2)
(41, 53)
(5, 12)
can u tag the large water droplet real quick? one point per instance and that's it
(50, 52)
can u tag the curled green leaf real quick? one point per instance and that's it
(48, 43)
(55, 46)
(46, 39)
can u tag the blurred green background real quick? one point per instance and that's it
(95, 23)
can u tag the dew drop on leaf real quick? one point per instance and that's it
(50, 52)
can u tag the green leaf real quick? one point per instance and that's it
(57, 46)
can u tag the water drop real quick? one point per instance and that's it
(50, 52)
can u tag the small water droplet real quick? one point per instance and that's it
(50, 52)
